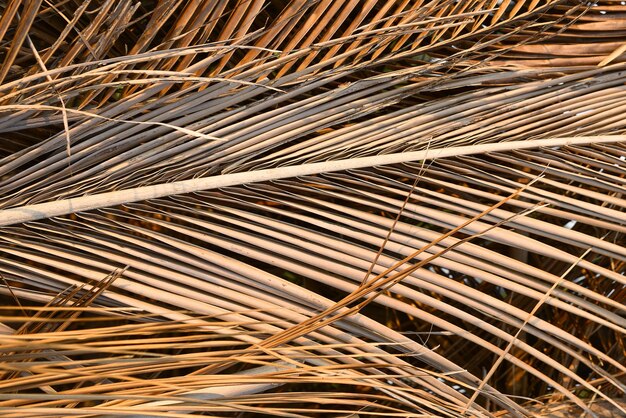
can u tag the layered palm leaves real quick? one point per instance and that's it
(418, 201)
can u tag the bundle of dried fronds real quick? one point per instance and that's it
(312, 208)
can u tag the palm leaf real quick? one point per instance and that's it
(303, 200)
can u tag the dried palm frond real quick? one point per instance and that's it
(394, 208)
